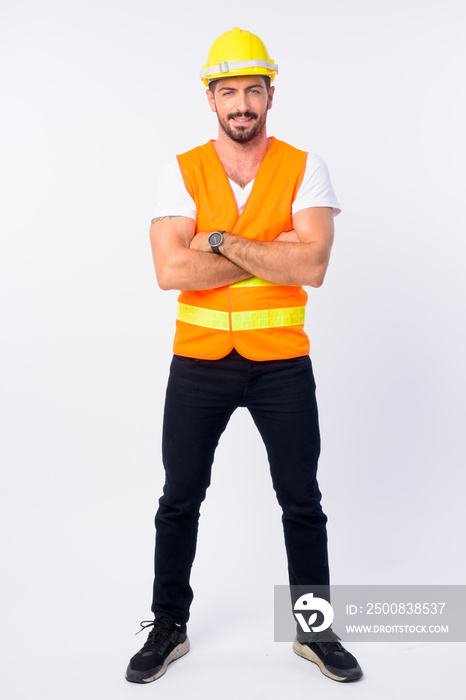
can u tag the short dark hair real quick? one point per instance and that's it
(213, 83)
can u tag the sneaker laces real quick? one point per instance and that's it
(328, 640)
(160, 634)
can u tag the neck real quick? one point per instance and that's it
(241, 160)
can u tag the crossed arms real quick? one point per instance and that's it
(184, 260)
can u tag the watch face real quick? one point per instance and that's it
(215, 238)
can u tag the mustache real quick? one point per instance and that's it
(247, 115)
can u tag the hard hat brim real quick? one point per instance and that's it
(231, 69)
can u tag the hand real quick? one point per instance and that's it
(200, 242)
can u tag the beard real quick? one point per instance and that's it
(242, 134)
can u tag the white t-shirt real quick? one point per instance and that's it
(316, 190)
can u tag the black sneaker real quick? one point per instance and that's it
(325, 650)
(165, 643)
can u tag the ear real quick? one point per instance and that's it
(211, 100)
(270, 97)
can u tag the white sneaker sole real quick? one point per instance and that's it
(178, 651)
(307, 653)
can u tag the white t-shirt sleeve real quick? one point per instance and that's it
(172, 197)
(316, 188)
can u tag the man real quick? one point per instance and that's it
(241, 224)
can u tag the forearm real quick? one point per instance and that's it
(285, 263)
(178, 262)
(193, 270)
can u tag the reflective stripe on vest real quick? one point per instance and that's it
(209, 318)
(254, 282)
(241, 320)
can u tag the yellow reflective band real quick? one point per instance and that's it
(241, 320)
(254, 282)
(203, 317)
(267, 318)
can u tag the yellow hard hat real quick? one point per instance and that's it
(237, 52)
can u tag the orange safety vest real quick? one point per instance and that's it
(261, 319)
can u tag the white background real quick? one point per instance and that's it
(95, 96)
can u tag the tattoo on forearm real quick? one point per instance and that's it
(161, 218)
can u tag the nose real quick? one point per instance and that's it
(242, 103)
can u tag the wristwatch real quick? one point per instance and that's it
(215, 240)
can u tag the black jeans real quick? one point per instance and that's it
(201, 397)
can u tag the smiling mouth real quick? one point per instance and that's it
(243, 118)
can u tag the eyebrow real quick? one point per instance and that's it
(258, 85)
